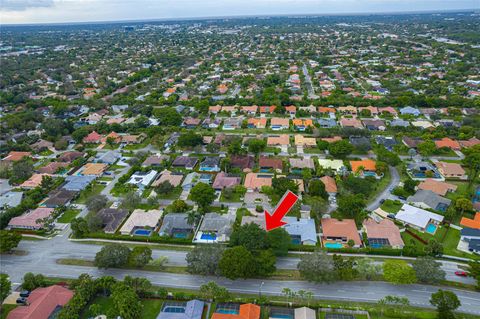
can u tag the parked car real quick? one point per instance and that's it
(21, 301)
(391, 216)
(461, 273)
(25, 293)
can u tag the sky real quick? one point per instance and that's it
(57, 11)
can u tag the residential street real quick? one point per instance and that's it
(385, 194)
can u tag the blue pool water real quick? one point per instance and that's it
(180, 235)
(142, 232)
(227, 311)
(172, 309)
(282, 316)
(431, 229)
(333, 245)
(208, 236)
(296, 241)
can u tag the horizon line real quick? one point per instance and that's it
(293, 15)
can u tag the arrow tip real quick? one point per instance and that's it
(272, 222)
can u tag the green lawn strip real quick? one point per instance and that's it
(132, 245)
(6, 308)
(462, 190)
(95, 189)
(68, 215)
(380, 186)
(391, 206)
(174, 194)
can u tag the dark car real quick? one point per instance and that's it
(25, 293)
(21, 301)
(391, 216)
(382, 201)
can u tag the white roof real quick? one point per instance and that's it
(142, 178)
(416, 216)
(141, 218)
(305, 313)
(335, 164)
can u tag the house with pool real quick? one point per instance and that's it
(141, 222)
(428, 199)
(236, 311)
(215, 228)
(301, 230)
(365, 167)
(423, 170)
(192, 309)
(419, 218)
(338, 233)
(382, 234)
(176, 225)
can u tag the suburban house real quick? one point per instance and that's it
(372, 110)
(408, 110)
(279, 140)
(422, 171)
(243, 162)
(258, 123)
(278, 123)
(140, 220)
(133, 139)
(448, 143)
(428, 199)
(326, 110)
(304, 313)
(268, 163)
(176, 225)
(92, 138)
(93, 169)
(301, 140)
(250, 110)
(175, 179)
(374, 125)
(451, 170)
(301, 163)
(59, 197)
(31, 220)
(301, 230)
(185, 162)
(360, 142)
(232, 123)
(192, 309)
(255, 181)
(245, 311)
(154, 160)
(350, 122)
(190, 181)
(214, 109)
(77, 182)
(211, 123)
(52, 168)
(223, 180)
(191, 122)
(10, 199)
(471, 223)
(327, 123)
(472, 237)
(210, 164)
(411, 142)
(351, 110)
(330, 185)
(15, 156)
(422, 124)
(386, 141)
(267, 109)
(438, 187)
(302, 124)
(34, 181)
(142, 179)
(291, 110)
(382, 233)
(399, 123)
(70, 156)
(112, 218)
(335, 165)
(364, 168)
(390, 110)
(215, 228)
(43, 303)
(419, 218)
(337, 233)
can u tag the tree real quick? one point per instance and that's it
(193, 217)
(282, 184)
(472, 161)
(204, 259)
(250, 236)
(446, 302)
(463, 204)
(428, 270)
(427, 148)
(164, 188)
(79, 227)
(203, 195)
(409, 186)
(279, 241)
(9, 240)
(112, 255)
(317, 188)
(125, 302)
(177, 206)
(21, 170)
(433, 248)
(5, 287)
(367, 269)
(384, 155)
(351, 206)
(398, 272)
(237, 262)
(344, 267)
(190, 139)
(474, 271)
(340, 149)
(256, 146)
(265, 262)
(140, 285)
(47, 182)
(317, 267)
(94, 222)
(212, 291)
(32, 281)
(140, 256)
(357, 185)
(393, 301)
(235, 146)
(131, 200)
(168, 116)
(96, 202)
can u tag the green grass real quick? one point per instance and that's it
(5, 310)
(95, 189)
(391, 206)
(380, 186)
(174, 194)
(462, 190)
(151, 308)
(105, 304)
(68, 215)
(323, 314)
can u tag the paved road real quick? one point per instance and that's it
(385, 194)
(355, 291)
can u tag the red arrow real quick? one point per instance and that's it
(275, 220)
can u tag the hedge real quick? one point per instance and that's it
(143, 239)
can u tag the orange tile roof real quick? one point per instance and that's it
(267, 109)
(304, 122)
(471, 223)
(332, 139)
(330, 185)
(14, 156)
(253, 181)
(34, 181)
(283, 139)
(322, 109)
(247, 311)
(258, 122)
(291, 108)
(365, 164)
(346, 228)
(438, 187)
(94, 169)
(447, 142)
(280, 121)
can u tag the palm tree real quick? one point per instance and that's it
(192, 217)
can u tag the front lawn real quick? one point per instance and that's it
(5, 310)
(151, 307)
(93, 189)
(391, 206)
(68, 215)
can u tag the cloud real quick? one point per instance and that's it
(21, 5)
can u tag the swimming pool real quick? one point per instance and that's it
(431, 229)
(333, 245)
(180, 235)
(208, 236)
(173, 309)
(227, 311)
(281, 316)
(142, 232)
